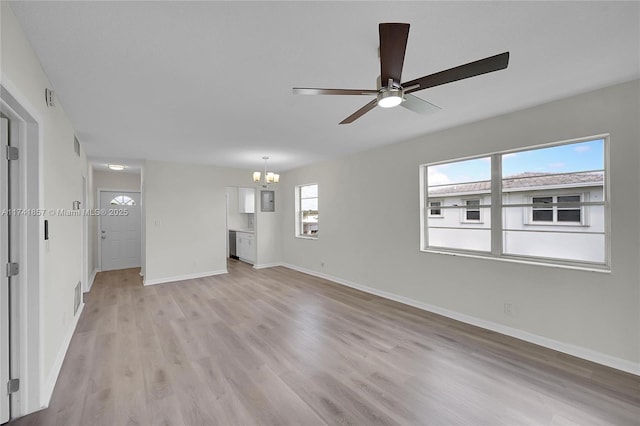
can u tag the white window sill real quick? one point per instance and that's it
(571, 224)
(546, 263)
(306, 237)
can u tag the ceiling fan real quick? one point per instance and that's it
(393, 44)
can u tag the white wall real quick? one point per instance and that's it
(126, 181)
(185, 225)
(269, 231)
(595, 315)
(62, 173)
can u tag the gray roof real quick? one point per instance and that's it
(526, 181)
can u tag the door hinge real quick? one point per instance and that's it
(12, 153)
(13, 386)
(12, 269)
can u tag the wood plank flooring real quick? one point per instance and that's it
(277, 347)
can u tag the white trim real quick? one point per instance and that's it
(92, 278)
(84, 243)
(49, 385)
(184, 277)
(32, 252)
(267, 265)
(577, 351)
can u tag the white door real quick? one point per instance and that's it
(4, 281)
(120, 230)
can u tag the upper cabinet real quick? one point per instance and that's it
(246, 200)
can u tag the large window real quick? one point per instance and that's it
(307, 211)
(545, 204)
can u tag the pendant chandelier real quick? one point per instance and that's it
(267, 178)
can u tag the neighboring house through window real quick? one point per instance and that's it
(545, 203)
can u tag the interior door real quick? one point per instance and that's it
(120, 225)
(4, 280)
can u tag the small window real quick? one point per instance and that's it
(541, 211)
(557, 209)
(434, 209)
(472, 211)
(123, 200)
(307, 211)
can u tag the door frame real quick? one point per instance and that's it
(98, 231)
(85, 236)
(27, 322)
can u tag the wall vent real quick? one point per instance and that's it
(76, 146)
(77, 298)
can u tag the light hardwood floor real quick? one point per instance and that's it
(275, 346)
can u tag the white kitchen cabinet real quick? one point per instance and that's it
(245, 247)
(246, 200)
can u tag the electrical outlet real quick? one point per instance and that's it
(508, 308)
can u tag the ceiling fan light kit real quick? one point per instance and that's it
(393, 44)
(390, 98)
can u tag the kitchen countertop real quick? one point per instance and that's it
(247, 230)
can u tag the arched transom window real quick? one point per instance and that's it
(123, 200)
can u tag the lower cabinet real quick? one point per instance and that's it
(245, 248)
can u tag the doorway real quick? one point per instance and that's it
(20, 317)
(120, 224)
(10, 222)
(5, 293)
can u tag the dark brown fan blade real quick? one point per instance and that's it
(472, 69)
(359, 113)
(314, 91)
(393, 43)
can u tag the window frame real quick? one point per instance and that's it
(466, 208)
(431, 208)
(555, 206)
(299, 225)
(496, 210)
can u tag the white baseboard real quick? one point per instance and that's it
(267, 265)
(184, 277)
(47, 390)
(577, 351)
(92, 278)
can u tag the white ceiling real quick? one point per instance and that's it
(210, 82)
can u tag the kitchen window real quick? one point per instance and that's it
(307, 211)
